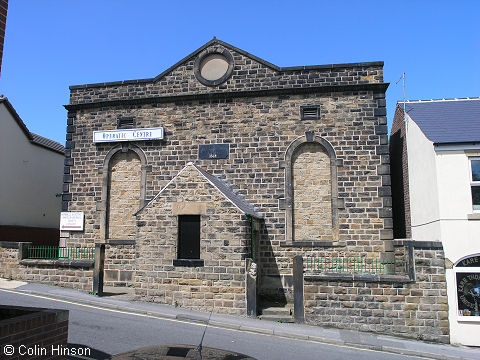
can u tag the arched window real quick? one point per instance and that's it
(311, 190)
(123, 191)
(467, 278)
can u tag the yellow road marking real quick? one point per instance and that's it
(203, 324)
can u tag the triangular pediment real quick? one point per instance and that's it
(216, 45)
(221, 187)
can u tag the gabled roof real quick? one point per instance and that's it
(233, 196)
(216, 41)
(447, 120)
(33, 138)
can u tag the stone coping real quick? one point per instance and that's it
(9, 244)
(357, 277)
(306, 244)
(375, 87)
(119, 242)
(189, 262)
(66, 263)
(418, 244)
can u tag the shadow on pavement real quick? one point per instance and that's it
(180, 352)
(84, 352)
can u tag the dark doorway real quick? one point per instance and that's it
(189, 236)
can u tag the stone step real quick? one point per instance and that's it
(282, 319)
(279, 311)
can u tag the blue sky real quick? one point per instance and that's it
(52, 44)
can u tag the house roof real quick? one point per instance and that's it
(47, 143)
(233, 196)
(447, 120)
(32, 137)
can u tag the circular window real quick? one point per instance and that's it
(213, 67)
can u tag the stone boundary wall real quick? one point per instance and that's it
(35, 329)
(76, 274)
(119, 266)
(414, 308)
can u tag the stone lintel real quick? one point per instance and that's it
(65, 263)
(357, 277)
(189, 208)
(306, 244)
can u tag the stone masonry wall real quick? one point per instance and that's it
(416, 309)
(119, 266)
(219, 285)
(44, 271)
(256, 153)
(9, 267)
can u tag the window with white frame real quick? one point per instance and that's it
(475, 182)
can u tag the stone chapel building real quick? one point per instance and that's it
(306, 147)
(226, 157)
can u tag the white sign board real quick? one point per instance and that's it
(127, 135)
(71, 221)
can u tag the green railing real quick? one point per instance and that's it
(55, 252)
(354, 265)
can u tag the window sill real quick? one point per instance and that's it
(468, 318)
(474, 216)
(306, 244)
(189, 262)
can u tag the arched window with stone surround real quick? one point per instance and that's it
(311, 190)
(123, 191)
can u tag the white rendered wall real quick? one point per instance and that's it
(30, 176)
(440, 202)
(422, 176)
(460, 236)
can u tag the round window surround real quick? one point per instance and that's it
(213, 66)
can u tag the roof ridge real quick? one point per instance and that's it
(437, 100)
(32, 137)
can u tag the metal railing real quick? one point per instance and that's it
(354, 265)
(55, 253)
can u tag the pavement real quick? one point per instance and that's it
(121, 299)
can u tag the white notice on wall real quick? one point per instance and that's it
(128, 135)
(71, 221)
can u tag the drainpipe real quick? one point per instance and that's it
(252, 236)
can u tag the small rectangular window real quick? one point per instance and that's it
(310, 112)
(188, 237)
(127, 122)
(475, 182)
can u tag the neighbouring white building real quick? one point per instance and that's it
(435, 162)
(31, 176)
